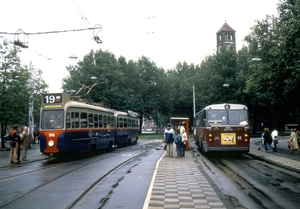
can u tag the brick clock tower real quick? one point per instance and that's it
(226, 37)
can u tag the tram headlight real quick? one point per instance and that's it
(50, 143)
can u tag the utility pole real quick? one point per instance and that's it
(30, 112)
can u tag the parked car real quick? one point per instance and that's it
(6, 138)
(149, 130)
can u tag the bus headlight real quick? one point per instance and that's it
(50, 143)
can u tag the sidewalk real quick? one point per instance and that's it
(180, 183)
(275, 158)
(33, 154)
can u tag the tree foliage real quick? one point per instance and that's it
(15, 89)
(268, 87)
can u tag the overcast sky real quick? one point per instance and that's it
(166, 31)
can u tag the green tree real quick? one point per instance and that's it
(15, 89)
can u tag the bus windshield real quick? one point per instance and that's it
(52, 119)
(230, 117)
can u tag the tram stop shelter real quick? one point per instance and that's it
(175, 121)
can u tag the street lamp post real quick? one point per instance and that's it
(257, 60)
(226, 85)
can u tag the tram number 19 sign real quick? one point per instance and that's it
(52, 98)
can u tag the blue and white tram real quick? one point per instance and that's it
(126, 128)
(72, 127)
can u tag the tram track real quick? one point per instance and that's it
(97, 182)
(72, 168)
(263, 182)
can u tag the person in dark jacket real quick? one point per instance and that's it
(169, 139)
(268, 139)
(16, 140)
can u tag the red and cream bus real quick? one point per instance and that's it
(222, 127)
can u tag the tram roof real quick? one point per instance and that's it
(89, 106)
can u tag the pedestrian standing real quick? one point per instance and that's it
(26, 143)
(294, 141)
(169, 139)
(182, 130)
(15, 144)
(274, 135)
(268, 139)
(183, 142)
(262, 141)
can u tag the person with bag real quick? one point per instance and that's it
(169, 139)
(293, 142)
(15, 141)
(178, 143)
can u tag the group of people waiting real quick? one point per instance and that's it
(268, 139)
(179, 137)
(16, 140)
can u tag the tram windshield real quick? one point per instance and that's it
(52, 119)
(230, 117)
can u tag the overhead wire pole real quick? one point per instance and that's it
(194, 101)
(30, 111)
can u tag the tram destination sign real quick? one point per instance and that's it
(52, 98)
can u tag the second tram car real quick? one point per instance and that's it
(222, 127)
(126, 128)
(73, 127)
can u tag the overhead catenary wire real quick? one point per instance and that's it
(62, 31)
(86, 22)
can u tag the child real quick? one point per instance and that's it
(178, 142)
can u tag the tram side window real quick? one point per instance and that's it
(74, 119)
(113, 122)
(83, 120)
(125, 122)
(68, 120)
(104, 121)
(100, 121)
(108, 122)
(90, 120)
(96, 122)
(129, 123)
(136, 124)
(120, 122)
